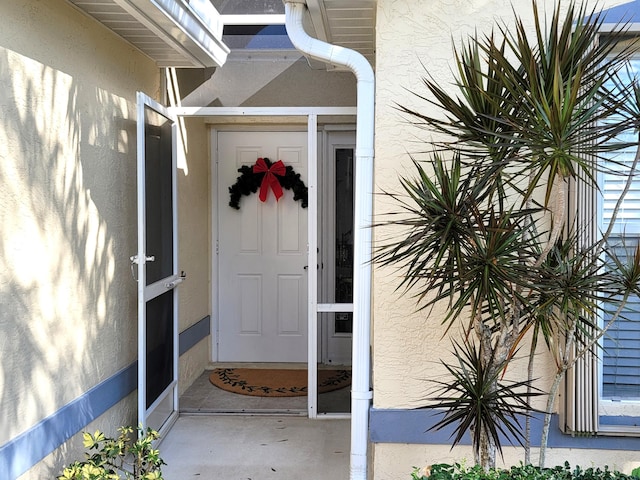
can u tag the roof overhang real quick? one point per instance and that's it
(174, 33)
(625, 16)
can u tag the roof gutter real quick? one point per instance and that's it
(361, 393)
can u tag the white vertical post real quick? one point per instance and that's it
(361, 393)
(312, 262)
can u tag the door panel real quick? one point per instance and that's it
(159, 349)
(250, 311)
(292, 317)
(158, 175)
(262, 255)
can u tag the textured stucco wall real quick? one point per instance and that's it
(194, 217)
(395, 461)
(67, 210)
(266, 80)
(414, 40)
(301, 85)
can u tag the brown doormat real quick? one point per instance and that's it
(261, 382)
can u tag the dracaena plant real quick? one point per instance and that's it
(475, 398)
(485, 219)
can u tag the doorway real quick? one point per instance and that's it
(262, 251)
(260, 268)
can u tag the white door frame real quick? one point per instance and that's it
(311, 113)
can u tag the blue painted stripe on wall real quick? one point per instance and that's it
(28, 448)
(411, 426)
(24, 451)
(194, 334)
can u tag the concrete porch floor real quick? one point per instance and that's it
(253, 447)
(224, 436)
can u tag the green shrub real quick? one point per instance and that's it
(457, 471)
(129, 457)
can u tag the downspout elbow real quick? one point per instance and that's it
(338, 56)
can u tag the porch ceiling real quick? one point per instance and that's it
(348, 23)
(174, 33)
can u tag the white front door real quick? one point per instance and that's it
(262, 255)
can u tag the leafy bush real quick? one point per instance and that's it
(457, 471)
(129, 457)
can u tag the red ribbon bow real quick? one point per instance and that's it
(269, 179)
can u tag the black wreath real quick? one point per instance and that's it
(249, 183)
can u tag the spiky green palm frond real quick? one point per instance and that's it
(544, 108)
(462, 243)
(476, 401)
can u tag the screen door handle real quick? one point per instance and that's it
(177, 281)
(134, 261)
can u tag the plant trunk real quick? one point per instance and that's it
(487, 451)
(558, 215)
(490, 356)
(527, 433)
(553, 392)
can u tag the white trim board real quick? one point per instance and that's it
(259, 111)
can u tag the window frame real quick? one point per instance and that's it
(618, 417)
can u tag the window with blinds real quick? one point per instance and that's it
(602, 392)
(621, 345)
(620, 369)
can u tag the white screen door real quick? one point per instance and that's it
(157, 267)
(262, 255)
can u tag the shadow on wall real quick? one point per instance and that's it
(300, 82)
(67, 228)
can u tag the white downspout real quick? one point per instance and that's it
(363, 215)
